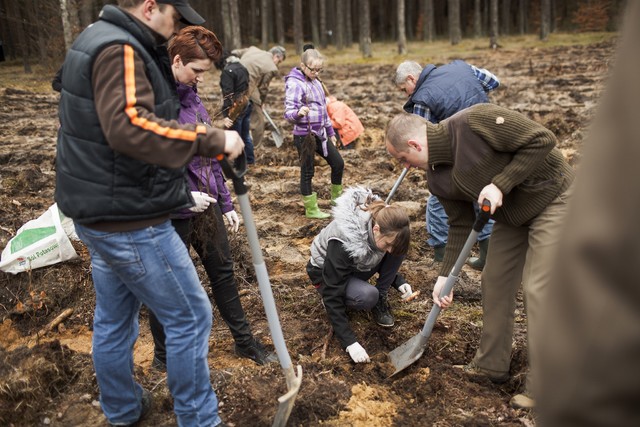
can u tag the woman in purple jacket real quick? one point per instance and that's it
(193, 51)
(305, 106)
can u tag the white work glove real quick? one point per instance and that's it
(405, 290)
(203, 200)
(357, 353)
(232, 220)
(303, 111)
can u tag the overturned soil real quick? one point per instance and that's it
(46, 377)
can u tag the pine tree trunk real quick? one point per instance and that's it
(429, 21)
(339, 10)
(545, 19)
(297, 25)
(522, 16)
(234, 19)
(313, 18)
(493, 31)
(226, 24)
(264, 23)
(506, 17)
(477, 18)
(364, 20)
(279, 18)
(455, 33)
(348, 27)
(323, 24)
(402, 31)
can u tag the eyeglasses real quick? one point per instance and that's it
(314, 70)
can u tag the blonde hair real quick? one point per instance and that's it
(403, 127)
(312, 55)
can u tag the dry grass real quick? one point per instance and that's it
(12, 73)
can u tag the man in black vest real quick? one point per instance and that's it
(120, 158)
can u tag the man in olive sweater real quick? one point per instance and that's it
(489, 152)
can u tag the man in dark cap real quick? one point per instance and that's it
(120, 173)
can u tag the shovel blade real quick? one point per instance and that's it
(287, 400)
(277, 138)
(407, 353)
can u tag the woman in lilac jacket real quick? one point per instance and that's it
(305, 106)
(193, 52)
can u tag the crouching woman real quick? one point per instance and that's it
(365, 237)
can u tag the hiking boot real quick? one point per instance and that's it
(146, 402)
(472, 369)
(522, 401)
(159, 365)
(438, 253)
(254, 350)
(382, 313)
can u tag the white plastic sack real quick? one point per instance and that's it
(40, 242)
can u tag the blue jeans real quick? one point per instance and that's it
(242, 126)
(150, 266)
(438, 225)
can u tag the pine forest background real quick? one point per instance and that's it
(40, 31)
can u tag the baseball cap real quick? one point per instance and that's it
(189, 15)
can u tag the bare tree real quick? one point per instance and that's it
(402, 30)
(297, 25)
(477, 18)
(323, 23)
(493, 29)
(455, 32)
(279, 18)
(364, 20)
(236, 41)
(264, 23)
(313, 18)
(545, 19)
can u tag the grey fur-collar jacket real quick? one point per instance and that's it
(351, 226)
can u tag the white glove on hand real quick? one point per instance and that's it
(232, 220)
(405, 290)
(203, 200)
(357, 353)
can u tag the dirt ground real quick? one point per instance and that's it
(49, 380)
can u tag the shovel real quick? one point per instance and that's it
(412, 350)
(286, 401)
(277, 136)
(396, 185)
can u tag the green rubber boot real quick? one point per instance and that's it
(311, 209)
(336, 191)
(477, 263)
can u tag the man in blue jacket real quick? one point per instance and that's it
(437, 93)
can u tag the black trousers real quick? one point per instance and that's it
(334, 159)
(217, 262)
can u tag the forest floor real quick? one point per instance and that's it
(49, 380)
